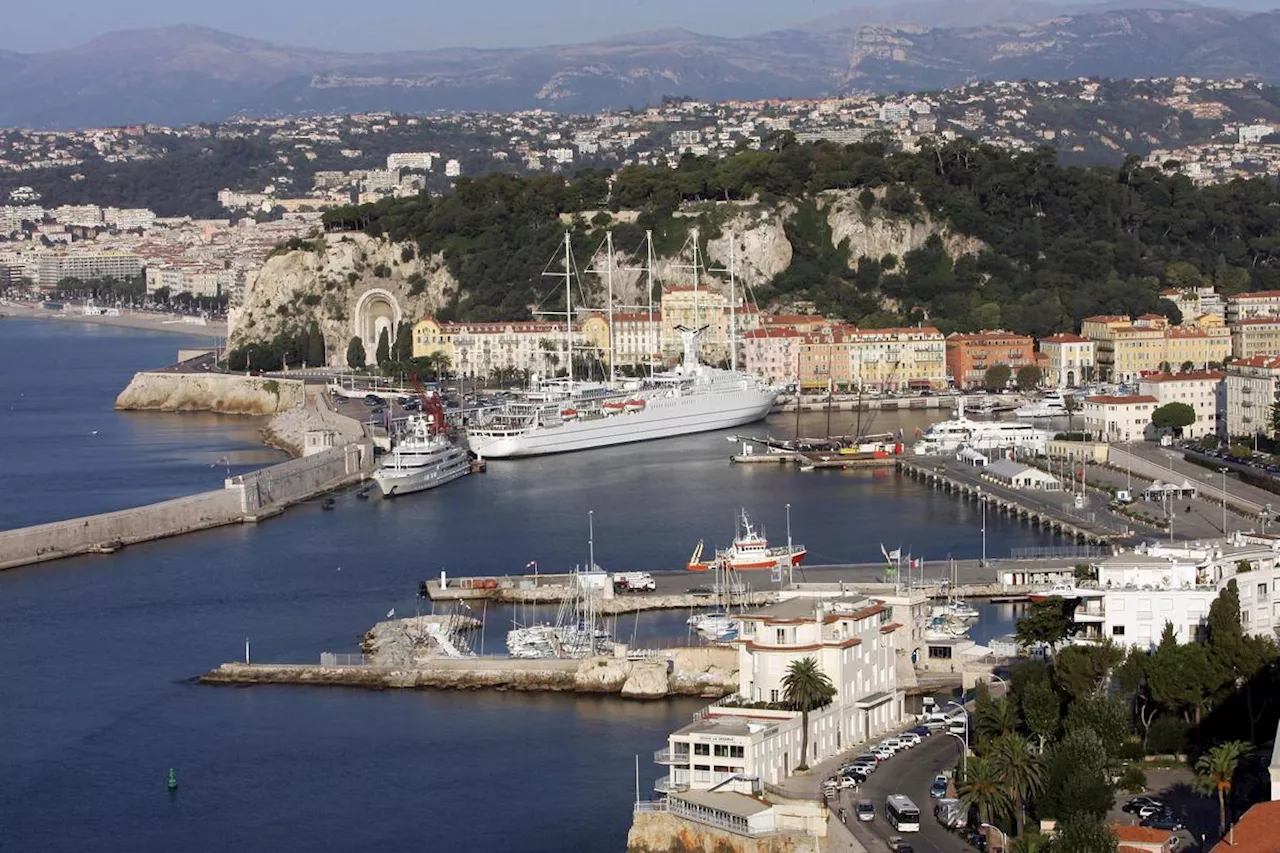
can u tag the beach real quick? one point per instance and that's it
(177, 323)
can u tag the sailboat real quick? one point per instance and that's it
(561, 416)
(721, 625)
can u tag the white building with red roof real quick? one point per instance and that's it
(1199, 389)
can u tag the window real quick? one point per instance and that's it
(773, 695)
(1117, 630)
(701, 749)
(1262, 592)
(722, 750)
(737, 752)
(782, 635)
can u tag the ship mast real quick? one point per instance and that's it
(733, 315)
(694, 236)
(653, 345)
(568, 304)
(609, 244)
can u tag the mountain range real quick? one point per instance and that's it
(182, 75)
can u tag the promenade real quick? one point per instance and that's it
(150, 321)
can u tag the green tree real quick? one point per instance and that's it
(1075, 778)
(806, 688)
(996, 377)
(1104, 715)
(403, 350)
(1237, 658)
(1042, 711)
(1174, 416)
(1019, 770)
(1084, 834)
(984, 790)
(1086, 670)
(998, 718)
(1071, 405)
(1045, 621)
(1215, 771)
(1182, 679)
(383, 353)
(315, 346)
(1188, 366)
(1131, 675)
(1029, 376)
(355, 353)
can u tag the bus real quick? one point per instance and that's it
(902, 813)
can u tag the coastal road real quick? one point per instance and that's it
(911, 773)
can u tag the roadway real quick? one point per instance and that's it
(911, 773)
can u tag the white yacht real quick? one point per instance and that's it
(946, 437)
(424, 458)
(564, 416)
(1051, 405)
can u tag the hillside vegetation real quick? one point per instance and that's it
(1058, 242)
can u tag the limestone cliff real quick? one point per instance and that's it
(350, 284)
(874, 234)
(210, 392)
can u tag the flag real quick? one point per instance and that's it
(391, 614)
(531, 564)
(223, 461)
(895, 554)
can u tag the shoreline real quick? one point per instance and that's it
(170, 323)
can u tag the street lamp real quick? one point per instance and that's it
(1004, 837)
(1223, 470)
(964, 739)
(982, 504)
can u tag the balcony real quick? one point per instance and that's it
(667, 756)
(672, 784)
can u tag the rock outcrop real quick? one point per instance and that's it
(327, 283)
(209, 392)
(661, 832)
(648, 680)
(874, 234)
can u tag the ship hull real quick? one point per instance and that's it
(661, 418)
(395, 483)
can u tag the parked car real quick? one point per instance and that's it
(846, 782)
(1165, 820)
(1137, 803)
(867, 758)
(938, 789)
(922, 731)
(910, 739)
(372, 400)
(897, 845)
(882, 753)
(893, 745)
(866, 810)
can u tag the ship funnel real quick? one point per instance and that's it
(690, 338)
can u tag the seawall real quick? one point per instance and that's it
(710, 672)
(248, 497)
(232, 394)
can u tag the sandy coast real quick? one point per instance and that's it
(172, 323)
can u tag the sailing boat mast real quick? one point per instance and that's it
(653, 345)
(733, 316)
(696, 317)
(609, 244)
(568, 303)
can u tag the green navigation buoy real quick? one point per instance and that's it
(173, 781)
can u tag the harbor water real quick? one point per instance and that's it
(98, 700)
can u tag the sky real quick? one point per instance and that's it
(417, 24)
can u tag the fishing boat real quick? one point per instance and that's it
(750, 551)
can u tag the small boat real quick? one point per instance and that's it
(750, 550)
(634, 405)
(963, 611)
(613, 408)
(569, 414)
(328, 504)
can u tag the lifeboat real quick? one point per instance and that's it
(634, 405)
(613, 408)
(569, 414)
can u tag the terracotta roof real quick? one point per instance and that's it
(1214, 375)
(1106, 399)
(1257, 832)
(1064, 338)
(1140, 834)
(1269, 361)
(782, 332)
(1107, 318)
(890, 628)
(1261, 294)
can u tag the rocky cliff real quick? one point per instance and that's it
(207, 392)
(328, 280)
(335, 278)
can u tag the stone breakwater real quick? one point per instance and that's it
(229, 394)
(710, 672)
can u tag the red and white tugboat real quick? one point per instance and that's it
(750, 550)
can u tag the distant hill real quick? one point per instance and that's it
(183, 75)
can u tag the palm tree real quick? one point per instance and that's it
(982, 789)
(1071, 405)
(806, 688)
(1019, 770)
(1214, 771)
(999, 717)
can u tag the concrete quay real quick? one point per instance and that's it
(708, 672)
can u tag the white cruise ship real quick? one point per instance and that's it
(424, 458)
(692, 398)
(946, 437)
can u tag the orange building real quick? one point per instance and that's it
(970, 354)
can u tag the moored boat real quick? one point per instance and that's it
(750, 551)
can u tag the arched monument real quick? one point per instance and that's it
(376, 310)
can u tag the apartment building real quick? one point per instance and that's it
(1255, 336)
(1138, 592)
(202, 280)
(752, 734)
(1201, 390)
(773, 354)
(846, 358)
(52, 268)
(1119, 418)
(969, 355)
(1194, 301)
(479, 349)
(1247, 306)
(1126, 349)
(1068, 360)
(1251, 391)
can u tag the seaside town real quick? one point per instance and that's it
(1105, 683)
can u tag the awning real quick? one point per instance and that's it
(872, 701)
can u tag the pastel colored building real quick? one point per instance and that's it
(1068, 360)
(970, 354)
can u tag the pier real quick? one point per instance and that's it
(1033, 507)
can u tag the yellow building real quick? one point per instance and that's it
(431, 338)
(846, 358)
(1255, 336)
(1127, 349)
(706, 306)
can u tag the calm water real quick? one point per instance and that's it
(96, 701)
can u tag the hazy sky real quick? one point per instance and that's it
(415, 24)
